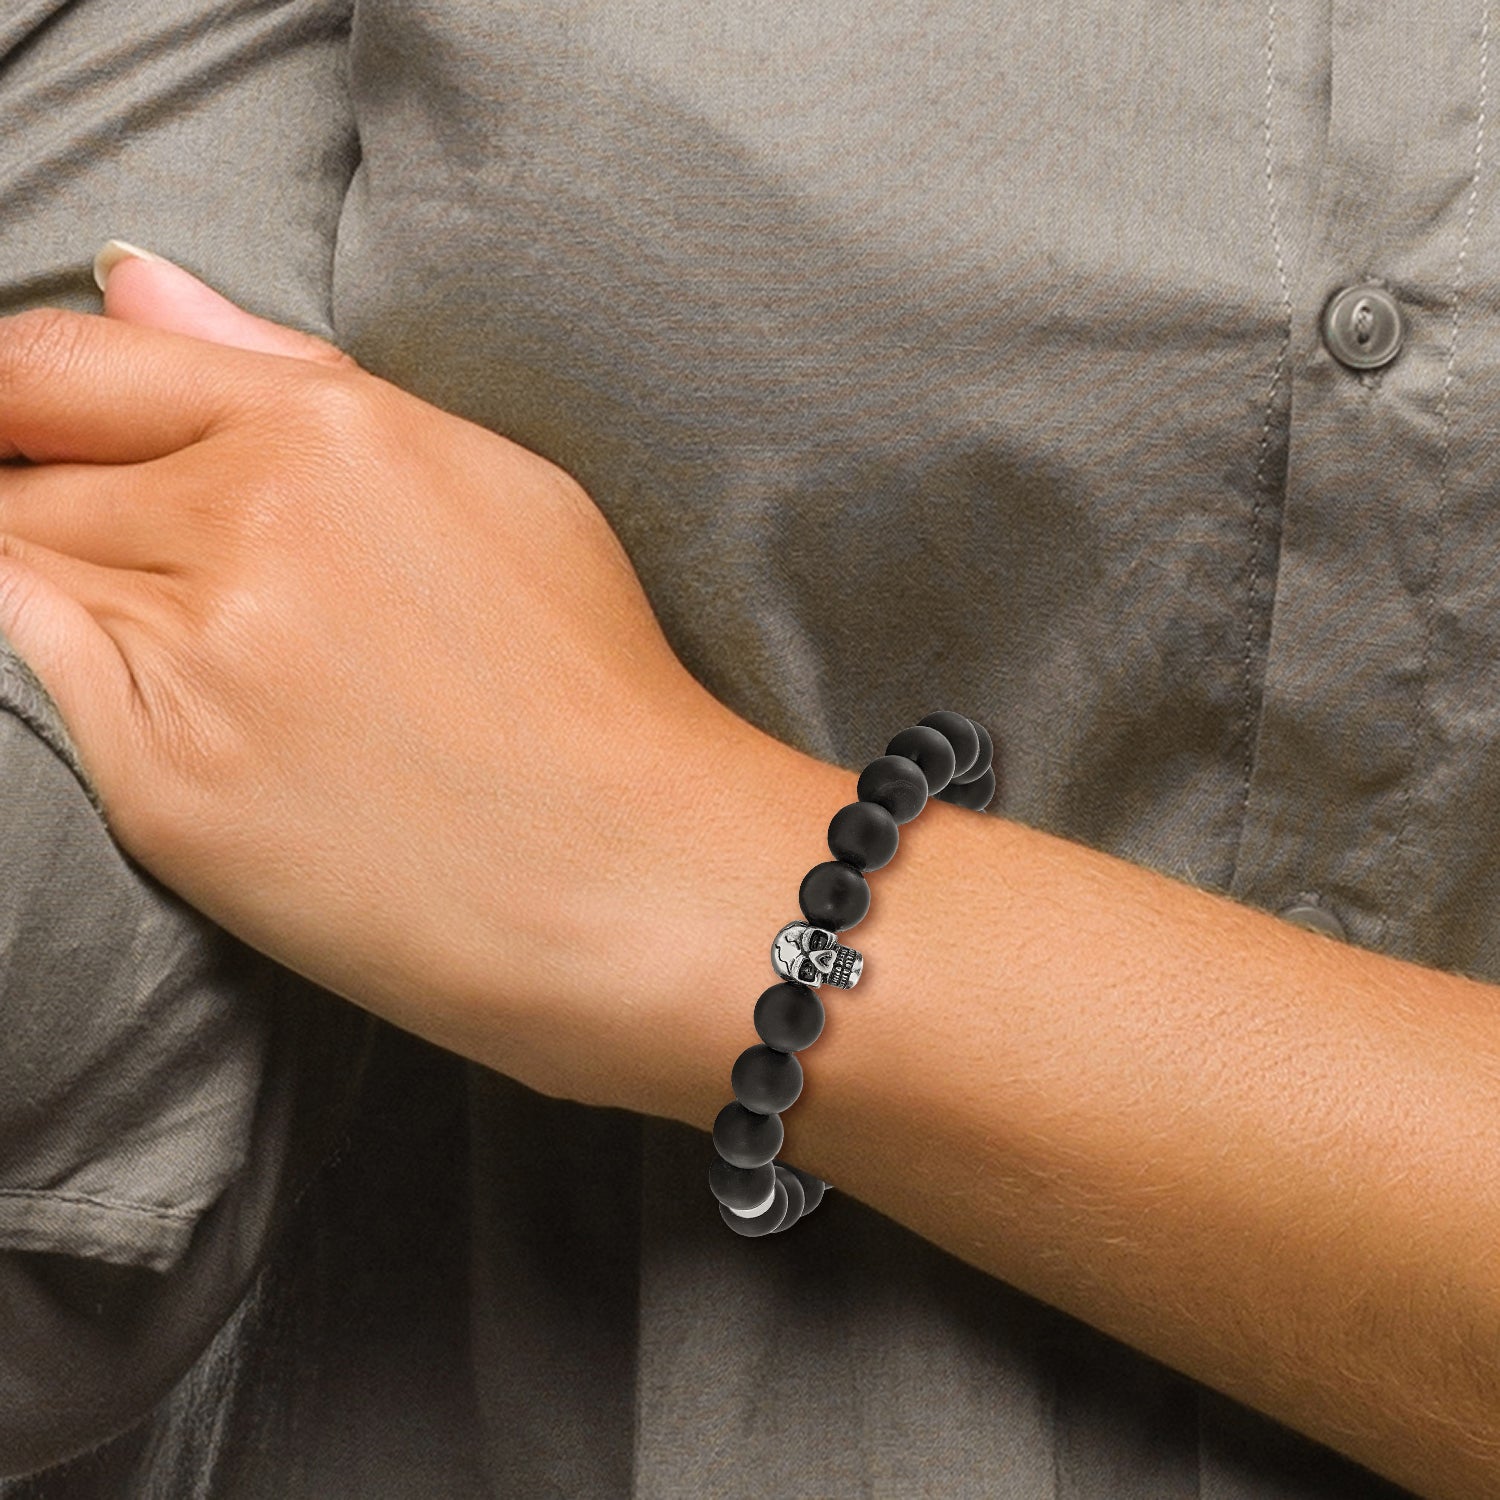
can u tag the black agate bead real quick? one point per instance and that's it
(962, 734)
(896, 784)
(985, 758)
(767, 1223)
(795, 1197)
(864, 835)
(812, 1189)
(789, 1017)
(931, 751)
(766, 1080)
(745, 1138)
(834, 895)
(974, 795)
(740, 1187)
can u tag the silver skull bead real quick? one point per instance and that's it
(809, 955)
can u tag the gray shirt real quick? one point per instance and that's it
(921, 354)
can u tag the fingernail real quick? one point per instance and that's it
(113, 252)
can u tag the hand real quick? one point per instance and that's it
(375, 688)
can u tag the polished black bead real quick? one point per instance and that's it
(985, 758)
(740, 1187)
(975, 795)
(863, 834)
(795, 1197)
(961, 733)
(896, 784)
(789, 1017)
(931, 751)
(766, 1223)
(745, 1138)
(766, 1079)
(834, 895)
(812, 1189)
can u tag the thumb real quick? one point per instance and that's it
(141, 287)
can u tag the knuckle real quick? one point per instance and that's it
(331, 354)
(36, 341)
(298, 413)
(346, 431)
(321, 430)
(338, 400)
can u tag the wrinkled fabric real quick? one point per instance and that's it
(166, 1093)
(921, 354)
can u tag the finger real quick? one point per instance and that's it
(156, 293)
(45, 618)
(99, 514)
(99, 591)
(78, 386)
(45, 615)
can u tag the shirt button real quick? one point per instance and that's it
(1363, 327)
(1314, 918)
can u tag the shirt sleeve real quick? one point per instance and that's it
(164, 1089)
(88, 1347)
(131, 1049)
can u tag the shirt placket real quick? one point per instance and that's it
(1340, 812)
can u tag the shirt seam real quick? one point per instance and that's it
(85, 1200)
(1401, 860)
(1261, 484)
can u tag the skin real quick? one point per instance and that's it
(308, 636)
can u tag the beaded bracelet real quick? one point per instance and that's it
(946, 756)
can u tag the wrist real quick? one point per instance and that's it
(722, 875)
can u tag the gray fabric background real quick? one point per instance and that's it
(920, 354)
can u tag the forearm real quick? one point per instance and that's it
(1267, 1158)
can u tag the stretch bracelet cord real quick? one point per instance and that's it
(946, 756)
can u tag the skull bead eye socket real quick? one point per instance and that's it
(807, 971)
(816, 938)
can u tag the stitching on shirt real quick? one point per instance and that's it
(41, 1195)
(1401, 860)
(1265, 430)
(1255, 514)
